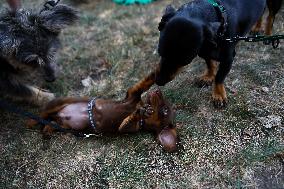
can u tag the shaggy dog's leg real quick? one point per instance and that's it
(40, 97)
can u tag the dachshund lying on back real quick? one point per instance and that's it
(193, 31)
(108, 116)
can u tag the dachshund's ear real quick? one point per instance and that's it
(169, 13)
(168, 139)
(129, 124)
(58, 18)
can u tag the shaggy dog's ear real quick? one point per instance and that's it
(169, 13)
(58, 18)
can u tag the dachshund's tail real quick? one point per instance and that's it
(142, 86)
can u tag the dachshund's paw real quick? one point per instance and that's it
(219, 96)
(129, 124)
(146, 111)
(204, 81)
(31, 123)
(47, 130)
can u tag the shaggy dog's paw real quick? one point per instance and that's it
(41, 97)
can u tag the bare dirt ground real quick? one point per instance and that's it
(114, 46)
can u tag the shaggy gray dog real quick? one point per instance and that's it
(29, 42)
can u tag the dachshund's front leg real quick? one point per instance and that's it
(132, 122)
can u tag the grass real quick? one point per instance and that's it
(116, 46)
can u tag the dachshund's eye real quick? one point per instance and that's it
(165, 111)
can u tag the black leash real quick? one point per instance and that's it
(13, 109)
(274, 40)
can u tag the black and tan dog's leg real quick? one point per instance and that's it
(273, 7)
(209, 75)
(257, 27)
(219, 93)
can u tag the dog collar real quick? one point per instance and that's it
(141, 123)
(217, 4)
(222, 14)
(91, 105)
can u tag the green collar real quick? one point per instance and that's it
(214, 3)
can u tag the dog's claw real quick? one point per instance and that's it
(219, 103)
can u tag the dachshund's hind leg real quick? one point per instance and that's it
(32, 123)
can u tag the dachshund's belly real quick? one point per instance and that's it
(75, 116)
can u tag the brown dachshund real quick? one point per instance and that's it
(108, 116)
(273, 8)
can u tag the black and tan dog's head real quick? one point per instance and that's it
(180, 40)
(30, 40)
(161, 120)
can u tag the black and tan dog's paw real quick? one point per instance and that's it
(219, 101)
(219, 96)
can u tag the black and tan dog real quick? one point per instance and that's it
(193, 31)
(109, 116)
(273, 8)
(29, 42)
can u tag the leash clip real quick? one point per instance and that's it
(275, 43)
(49, 4)
(90, 135)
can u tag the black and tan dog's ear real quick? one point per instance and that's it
(129, 124)
(210, 32)
(58, 18)
(169, 13)
(168, 139)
